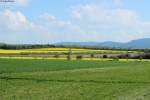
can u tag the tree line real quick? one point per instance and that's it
(24, 46)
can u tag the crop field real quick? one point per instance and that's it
(61, 53)
(74, 80)
(59, 50)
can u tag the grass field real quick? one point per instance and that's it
(74, 80)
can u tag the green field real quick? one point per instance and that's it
(74, 80)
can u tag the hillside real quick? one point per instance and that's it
(140, 44)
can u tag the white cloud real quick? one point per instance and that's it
(21, 2)
(95, 13)
(15, 21)
(16, 28)
(51, 21)
(89, 22)
(113, 22)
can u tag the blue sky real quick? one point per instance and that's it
(50, 21)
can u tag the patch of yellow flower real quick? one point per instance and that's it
(51, 50)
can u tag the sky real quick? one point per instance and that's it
(51, 21)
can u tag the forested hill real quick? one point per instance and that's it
(24, 46)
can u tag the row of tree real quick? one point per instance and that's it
(24, 46)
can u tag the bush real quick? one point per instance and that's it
(105, 56)
(79, 57)
(56, 56)
(92, 55)
(124, 56)
(140, 58)
(146, 56)
(68, 57)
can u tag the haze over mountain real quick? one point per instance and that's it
(139, 43)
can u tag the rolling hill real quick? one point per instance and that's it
(139, 43)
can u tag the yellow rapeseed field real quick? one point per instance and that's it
(48, 50)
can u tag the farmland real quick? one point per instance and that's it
(60, 53)
(74, 80)
(74, 50)
(73, 74)
(47, 50)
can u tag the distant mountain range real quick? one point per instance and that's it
(139, 44)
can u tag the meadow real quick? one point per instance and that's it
(74, 80)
